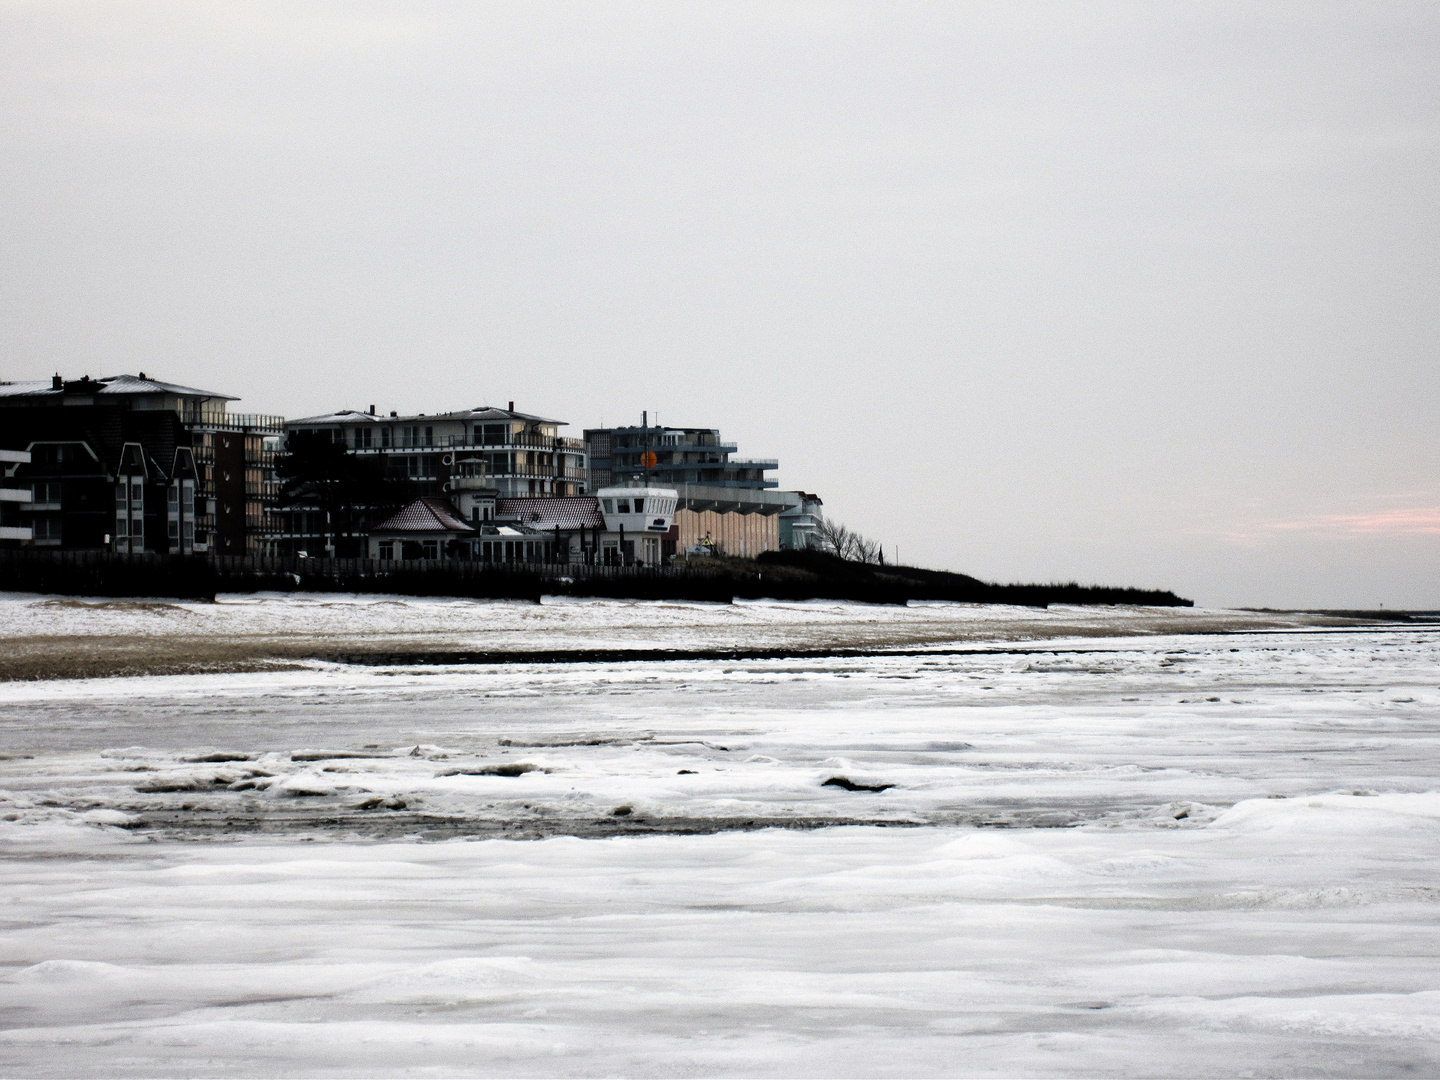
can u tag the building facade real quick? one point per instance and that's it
(800, 523)
(522, 454)
(725, 504)
(614, 527)
(470, 457)
(134, 464)
(13, 495)
(671, 456)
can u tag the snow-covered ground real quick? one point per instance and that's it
(575, 623)
(1153, 855)
(69, 637)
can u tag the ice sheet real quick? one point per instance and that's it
(1245, 882)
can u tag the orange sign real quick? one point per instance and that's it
(648, 459)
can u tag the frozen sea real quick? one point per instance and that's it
(977, 852)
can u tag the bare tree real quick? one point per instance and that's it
(865, 550)
(831, 536)
(851, 546)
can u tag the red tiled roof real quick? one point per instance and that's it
(426, 515)
(565, 512)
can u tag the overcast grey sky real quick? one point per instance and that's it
(1135, 293)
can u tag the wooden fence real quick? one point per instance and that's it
(107, 573)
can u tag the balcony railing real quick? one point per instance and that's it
(679, 448)
(207, 417)
(525, 438)
(469, 483)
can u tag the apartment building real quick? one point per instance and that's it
(131, 463)
(12, 496)
(670, 456)
(471, 457)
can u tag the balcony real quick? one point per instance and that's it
(470, 483)
(220, 419)
(525, 439)
(16, 495)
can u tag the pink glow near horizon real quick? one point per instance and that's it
(1424, 520)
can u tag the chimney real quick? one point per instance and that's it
(645, 419)
(57, 383)
(372, 410)
(512, 406)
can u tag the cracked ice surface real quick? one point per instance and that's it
(310, 872)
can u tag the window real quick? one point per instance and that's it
(432, 549)
(493, 434)
(624, 506)
(429, 436)
(386, 433)
(387, 549)
(47, 528)
(121, 527)
(608, 505)
(363, 437)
